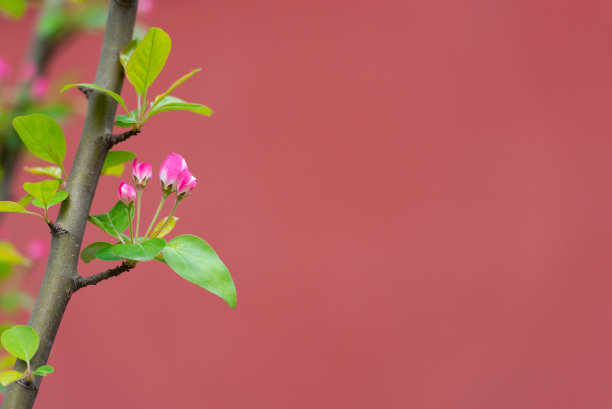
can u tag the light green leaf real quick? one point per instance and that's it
(175, 85)
(7, 361)
(114, 158)
(194, 260)
(110, 93)
(10, 255)
(42, 136)
(126, 121)
(12, 300)
(116, 170)
(114, 222)
(57, 198)
(53, 171)
(43, 370)
(43, 191)
(167, 227)
(89, 252)
(26, 200)
(171, 103)
(13, 8)
(127, 52)
(148, 59)
(10, 376)
(12, 207)
(145, 251)
(21, 341)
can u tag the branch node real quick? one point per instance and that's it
(56, 228)
(105, 275)
(112, 140)
(26, 383)
(86, 91)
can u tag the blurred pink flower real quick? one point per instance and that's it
(37, 249)
(5, 69)
(28, 71)
(40, 86)
(145, 6)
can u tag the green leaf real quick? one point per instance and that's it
(89, 252)
(167, 227)
(12, 207)
(53, 171)
(110, 93)
(10, 376)
(127, 52)
(13, 8)
(10, 255)
(148, 59)
(43, 370)
(175, 85)
(12, 300)
(21, 341)
(42, 136)
(114, 222)
(43, 191)
(145, 251)
(126, 121)
(7, 361)
(26, 200)
(116, 170)
(57, 198)
(114, 158)
(194, 260)
(171, 103)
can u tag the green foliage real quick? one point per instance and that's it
(148, 59)
(44, 193)
(143, 251)
(10, 376)
(13, 300)
(126, 53)
(89, 253)
(7, 361)
(164, 227)
(113, 164)
(110, 93)
(53, 171)
(171, 103)
(21, 341)
(57, 198)
(175, 85)
(13, 207)
(43, 136)
(114, 222)
(127, 121)
(13, 8)
(194, 260)
(43, 370)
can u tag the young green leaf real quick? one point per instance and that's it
(43, 370)
(13, 207)
(127, 52)
(43, 191)
(13, 300)
(175, 85)
(126, 121)
(7, 361)
(148, 59)
(114, 158)
(114, 222)
(144, 251)
(10, 376)
(10, 255)
(194, 260)
(110, 93)
(42, 136)
(57, 198)
(171, 103)
(53, 171)
(89, 252)
(21, 341)
(116, 170)
(26, 200)
(13, 8)
(167, 227)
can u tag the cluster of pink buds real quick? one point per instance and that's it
(174, 176)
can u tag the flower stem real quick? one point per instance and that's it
(127, 209)
(138, 198)
(161, 204)
(176, 203)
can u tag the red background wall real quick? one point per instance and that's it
(413, 197)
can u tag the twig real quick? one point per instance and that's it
(112, 140)
(105, 275)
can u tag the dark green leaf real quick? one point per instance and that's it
(114, 158)
(194, 260)
(145, 251)
(89, 252)
(42, 136)
(114, 222)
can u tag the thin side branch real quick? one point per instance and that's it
(56, 228)
(105, 275)
(112, 140)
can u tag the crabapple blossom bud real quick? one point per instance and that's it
(141, 172)
(40, 86)
(127, 194)
(171, 171)
(37, 249)
(186, 185)
(5, 69)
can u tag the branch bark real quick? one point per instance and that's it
(61, 274)
(105, 275)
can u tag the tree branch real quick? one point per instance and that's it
(105, 275)
(61, 272)
(112, 140)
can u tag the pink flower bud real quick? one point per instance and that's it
(141, 172)
(37, 249)
(28, 71)
(186, 185)
(127, 194)
(145, 6)
(40, 86)
(5, 69)
(171, 172)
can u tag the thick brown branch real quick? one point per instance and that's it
(105, 275)
(112, 140)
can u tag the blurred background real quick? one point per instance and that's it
(413, 198)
